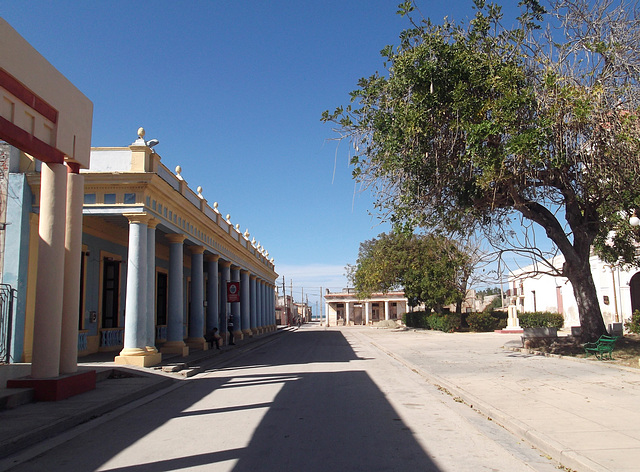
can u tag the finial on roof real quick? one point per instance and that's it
(141, 132)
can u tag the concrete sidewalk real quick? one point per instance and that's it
(27, 425)
(583, 413)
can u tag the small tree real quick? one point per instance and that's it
(430, 268)
(474, 126)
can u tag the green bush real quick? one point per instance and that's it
(502, 316)
(416, 319)
(633, 325)
(541, 319)
(482, 322)
(443, 322)
(446, 322)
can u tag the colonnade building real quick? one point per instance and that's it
(346, 309)
(155, 263)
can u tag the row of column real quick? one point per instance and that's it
(254, 314)
(55, 332)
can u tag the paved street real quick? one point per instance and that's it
(311, 399)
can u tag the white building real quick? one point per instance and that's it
(345, 308)
(618, 292)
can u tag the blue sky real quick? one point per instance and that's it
(234, 91)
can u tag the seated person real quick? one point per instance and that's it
(212, 337)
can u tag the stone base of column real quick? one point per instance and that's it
(197, 343)
(57, 388)
(238, 336)
(248, 333)
(139, 357)
(175, 347)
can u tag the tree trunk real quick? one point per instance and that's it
(584, 290)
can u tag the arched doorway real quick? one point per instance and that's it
(634, 288)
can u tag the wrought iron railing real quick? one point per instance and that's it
(7, 300)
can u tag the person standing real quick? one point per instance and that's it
(230, 329)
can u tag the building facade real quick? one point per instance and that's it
(346, 309)
(155, 264)
(618, 292)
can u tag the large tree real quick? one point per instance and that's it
(431, 269)
(474, 125)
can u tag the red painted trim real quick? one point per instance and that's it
(73, 168)
(57, 388)
(24, 141)
(15, 87)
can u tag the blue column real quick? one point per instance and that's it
(272, 312)
(225, 276)
(235, 307)
(135, 329)
(213, 301)
(196, 324)
(267, 304)
(175, 339)
(252, 296)
(245, 305)
(151, 286)
(265, 301)
(259, 320)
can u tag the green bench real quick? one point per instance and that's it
(602, 347)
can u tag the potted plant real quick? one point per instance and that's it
(540, 324)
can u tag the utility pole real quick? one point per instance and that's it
(291, 291)
(321, 305)
(284, 302)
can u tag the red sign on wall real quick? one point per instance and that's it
(233, 292)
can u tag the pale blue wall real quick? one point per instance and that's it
(92, 287)
(16, 255)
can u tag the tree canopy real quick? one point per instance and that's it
(473, 125)
(431, 269)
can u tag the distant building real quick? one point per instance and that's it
(285, 310)
(618, 292)
(346, 309)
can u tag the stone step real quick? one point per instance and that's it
(190, 372)
(174, 367)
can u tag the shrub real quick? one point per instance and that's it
(482, 322)
(502, 316)
(416, 319)
(443, 322)
(541, 319)
(633, 325)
